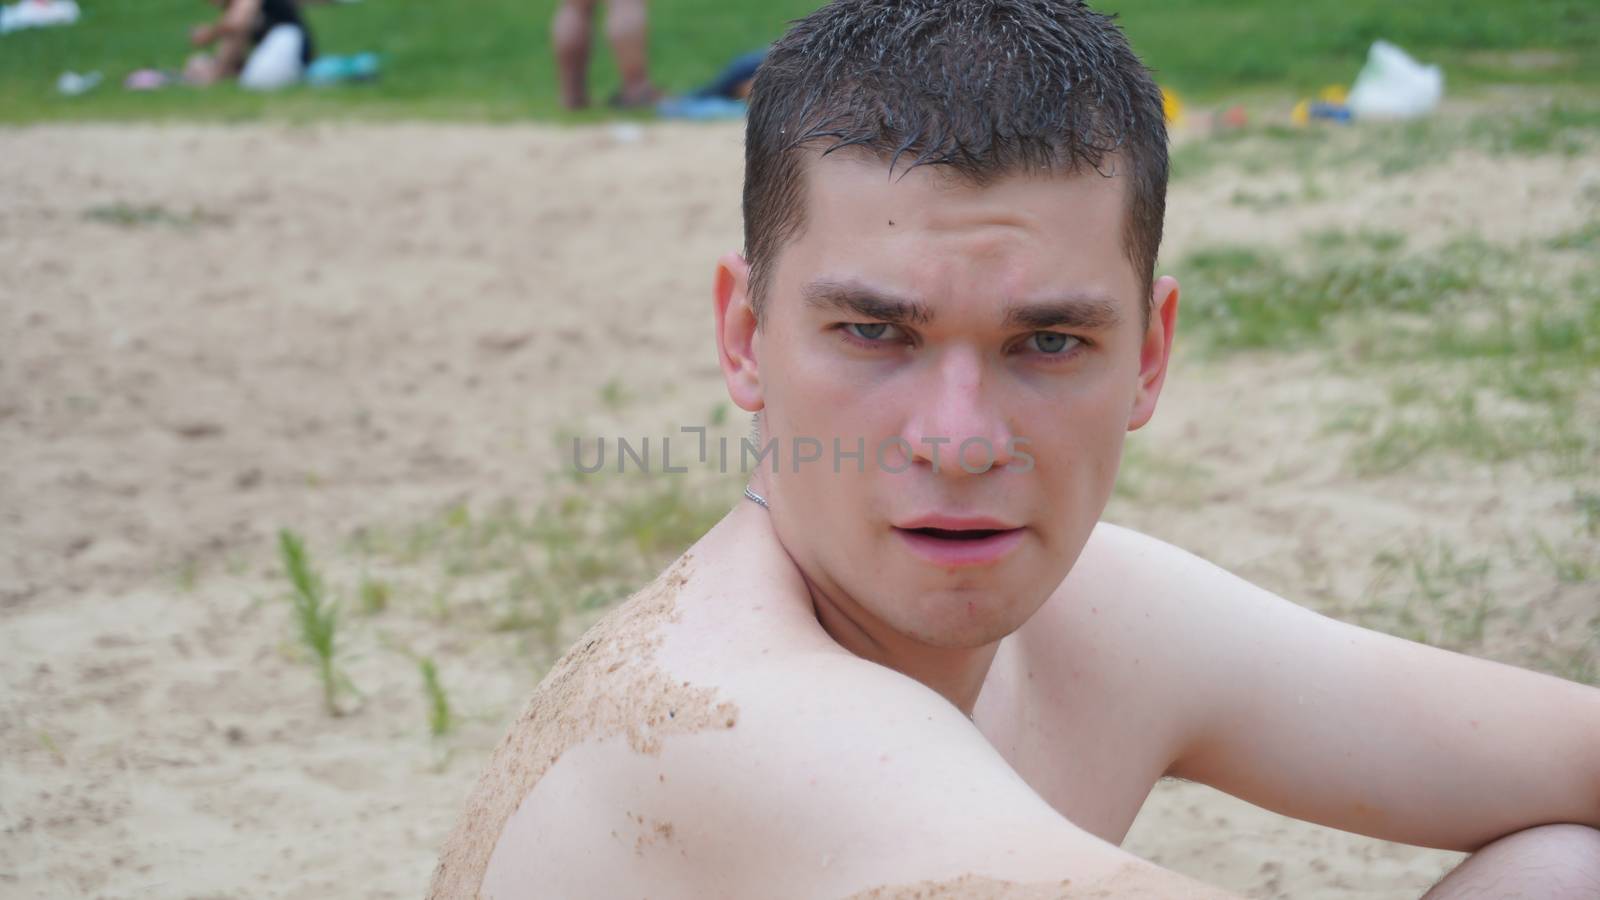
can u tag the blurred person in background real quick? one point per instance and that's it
(264, 43)
(572, 34)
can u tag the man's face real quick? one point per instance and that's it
(918, 314)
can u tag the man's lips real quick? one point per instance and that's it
(944, 522)
(952, 542)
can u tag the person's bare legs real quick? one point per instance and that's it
(232, 51)
(570, 32)
(1551, 862)
(626, 29)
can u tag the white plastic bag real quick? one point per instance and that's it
(275, 63)
(1392, 85)
(37, 14)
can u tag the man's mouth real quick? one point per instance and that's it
(954, 543)
(945, 534)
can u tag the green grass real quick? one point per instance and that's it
(1429, 592)
(374, 595)
(1145, 474)
(1335, 240)
(1586, 237)
(1467, 300)
(1485, 358)
(545, 572)
(125, 215)
(488, 60)
(582, 552)
(614, 395)
(1555, 123)
(317, 616)
(1251, 300)
(491, 59)
(1571, 565)
(441, 721)
(1458, 425)
(188, 575)
(49, 744)
(1588, 505)
(1213, 49)
(1564, 126)
(1581, 665)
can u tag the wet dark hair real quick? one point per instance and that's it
(985, 88)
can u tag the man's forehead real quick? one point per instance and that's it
(865, 225)
(860, 163)
(851, 194)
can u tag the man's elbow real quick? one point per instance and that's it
(1545, 861)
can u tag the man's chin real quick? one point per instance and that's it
(962, 618)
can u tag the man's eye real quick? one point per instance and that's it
(871, 332)
(1052, 343)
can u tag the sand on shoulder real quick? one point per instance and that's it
(607, 685)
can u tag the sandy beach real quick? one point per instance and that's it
(209, 333)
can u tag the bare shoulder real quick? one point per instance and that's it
(1182, 644)
(1121, 553)
(650, 672)
(1125, 606)
(820, 775)
(606, 687)
(1136, 591)
(1134, 635)
(707, 739)
(850, 780)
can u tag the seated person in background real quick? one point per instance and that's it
(736, 78)
(263, 43)
(572, 33)
(723, 98)
(915, 663)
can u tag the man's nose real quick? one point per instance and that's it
(957, 426)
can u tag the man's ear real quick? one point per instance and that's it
(736, 333)
(1156, 350)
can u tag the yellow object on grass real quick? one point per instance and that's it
(1334, 93)
(1301, 115)
(1171, 106)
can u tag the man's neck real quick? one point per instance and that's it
(956, 673)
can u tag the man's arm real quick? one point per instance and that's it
(1358, 730)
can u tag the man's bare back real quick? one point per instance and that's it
(708, 738)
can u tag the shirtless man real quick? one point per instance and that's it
(906, 673)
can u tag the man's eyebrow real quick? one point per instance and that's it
(1086, 311)
(1090, 312)
(865, 302)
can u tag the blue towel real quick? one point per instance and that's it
(336, 69)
